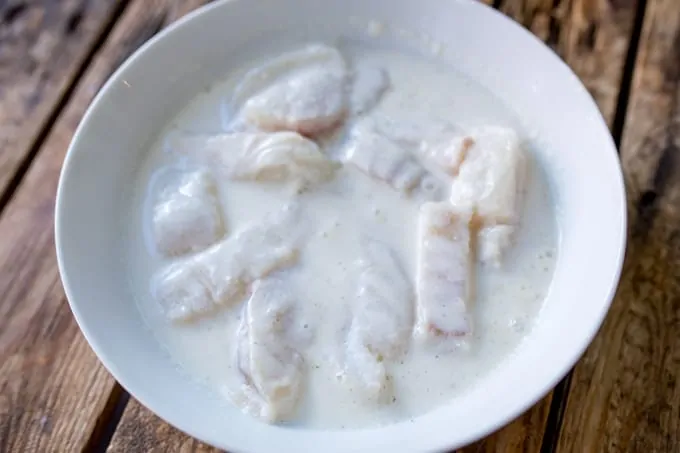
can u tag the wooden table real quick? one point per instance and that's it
(624, 394)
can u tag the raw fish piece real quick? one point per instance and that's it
(258, 156)
(221, 275)
(268, 359)
(384, 160)
(261, 77)
(303, 91)
(310, 103)
(186, 215)
(443, 281)
(384, 303)
(492, 241)
(410, 132)
(382, 319)
(490, 180)
(363, 369)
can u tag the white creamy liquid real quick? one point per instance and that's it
(340, 212)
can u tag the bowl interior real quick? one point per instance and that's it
(569, 134)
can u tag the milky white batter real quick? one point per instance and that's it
(344, 284)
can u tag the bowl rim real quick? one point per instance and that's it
(490, 426)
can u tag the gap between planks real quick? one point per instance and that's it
(108, 421)
(628, 69)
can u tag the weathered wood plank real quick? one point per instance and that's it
(625, 393)
(43, 46)
(592, 36)
(52, 388)
(142, 431)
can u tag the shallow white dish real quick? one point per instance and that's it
(573, 143)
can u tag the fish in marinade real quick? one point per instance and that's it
(303, 91)
(384, 160)
(269, 364)
(258, 156)
(443, 280)
(492, 241)
(382, 318)
(186, 214)
(199, 284)
(490, 180)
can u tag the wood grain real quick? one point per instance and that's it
(53, 390)
(43, 47)
(142, 431)
(592, 37)
(625, 394)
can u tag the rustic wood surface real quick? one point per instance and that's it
(55, 396)
(44, 45)
(625, 394)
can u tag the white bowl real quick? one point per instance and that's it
(575, 148)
